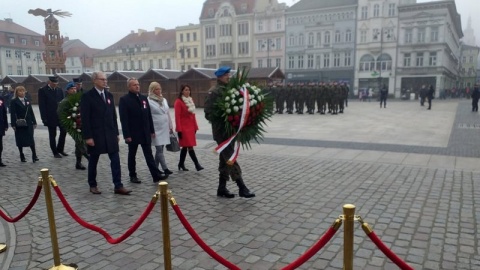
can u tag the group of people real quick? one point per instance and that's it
(426, 94)
(329, 97)
(145, 121)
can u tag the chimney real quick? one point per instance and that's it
(141, 31)
(9, 20)
(158, 30)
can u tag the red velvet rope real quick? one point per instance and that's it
(388, 252)
(100, 230)
(29, 207)
(201, 243)
(312, 250)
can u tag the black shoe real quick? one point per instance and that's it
(198, 167)
(162, 177)
(134, 179)
(57, 155)
(168, 172)
(22, 158)
(2, 165)
(182, 168)
(225, 193)
(79, 166)
(63, 154)
(245, 193)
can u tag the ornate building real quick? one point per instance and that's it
(320, 40)
(189, 48)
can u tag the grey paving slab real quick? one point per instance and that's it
(413, 175)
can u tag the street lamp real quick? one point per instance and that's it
(130, 52)
(183, 50)
(269, 43)
(375, 36)
(83, 58)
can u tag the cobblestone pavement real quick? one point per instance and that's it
(412, 174)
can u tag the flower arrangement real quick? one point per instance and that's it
(244, 109)
(69, 115)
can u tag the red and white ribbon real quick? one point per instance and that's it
(243, 120)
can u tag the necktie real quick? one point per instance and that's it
(103, 96)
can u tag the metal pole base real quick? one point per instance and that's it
(3, 247)
(65, 267)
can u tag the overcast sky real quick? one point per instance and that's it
(99, 24)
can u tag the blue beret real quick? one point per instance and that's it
(222, 71)
(69, 85)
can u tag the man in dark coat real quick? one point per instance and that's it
(3, 126)
(219, 135)
(422, 94)
(383, 96)
(475, 97)
(100, 132)
(137, 128)
(48, 98)
(430, 96)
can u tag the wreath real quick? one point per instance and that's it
(243, 110)
(69, 114)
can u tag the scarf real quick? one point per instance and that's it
(158, 99)
(189, 102)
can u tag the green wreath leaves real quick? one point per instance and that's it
(69, 115)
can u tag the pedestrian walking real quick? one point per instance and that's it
(475, 97)
(430, 96)
(3, 126)
(383, 96)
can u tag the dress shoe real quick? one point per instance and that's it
(35, 158)
(95, 190)
(79, 166)
(225, 193)
(162, 177)
(168, 172)
(182, 167)
(122, 191)
(134, 179)
(2, 164)
(63, 154)
(57, 155)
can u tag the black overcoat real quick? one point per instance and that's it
(3, 117)
(23, 135)
(48, 100)
(136, 118)
(99, 122)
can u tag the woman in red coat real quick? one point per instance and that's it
(186, 127)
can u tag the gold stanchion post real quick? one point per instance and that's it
(167, 257)
(51, 222)
(3, 247)
(348, 235)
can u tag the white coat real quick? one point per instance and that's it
(162, 122)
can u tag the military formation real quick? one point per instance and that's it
(300, 98)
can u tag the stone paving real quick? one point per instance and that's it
(413, 175)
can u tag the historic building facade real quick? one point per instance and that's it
(320, 41)
(468, 65)
(21, 50)
(428, 46)
(189, 49)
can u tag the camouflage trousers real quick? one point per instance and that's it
(228, 171)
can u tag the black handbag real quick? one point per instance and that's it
(22, 122)
(174, 146)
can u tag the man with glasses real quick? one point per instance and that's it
(48, 98)
(100, 132)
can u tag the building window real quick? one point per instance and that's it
(188, 37)
(300, 61)
(12, 40)
(115, 66)
(348, 59)
(19, 70)
(432, 61)
(327, 38)
(336, 59)
(169, 63)
(225, 48)
(18, 54)
(181, 37)
(470, 60)
(408, 35)
(225, 30)
(243, 28)
(132, 65)
(364, 14)
(407, 59)
(421, 35)
(160, 63)
(310, 61)
(8, 54)
(37, 43)
(24, 41)
(10, 70)
(278, 62)
(311, 39)
(348, 36)
(211, 51)
(278, 43)
(125, 67)
(108, 66)
(337, 36)
(434, 34)
(195, 52)
(363, 36)
(194, 36)
(419, 59)
(392, 10)
(291, 62)
(29, 70)
(260, 26)
(301, 40)
(376, 10)
(326, 60)
(384, 62)
(279, 24)
(319, 38)
(101, 66)
(367, 63)
(291, 40)
(210, 31)
(243, 48)
(260, 63)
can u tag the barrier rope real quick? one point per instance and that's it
(27, 209)
(316, 247)
(387, 251)
(87, 225)
(199, 240)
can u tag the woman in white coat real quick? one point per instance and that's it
(162, 123)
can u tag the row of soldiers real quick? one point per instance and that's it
(329, 97)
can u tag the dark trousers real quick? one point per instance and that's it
(384, 101)
(114, 166)
(226, 171)
(474, 106)
(429, 103)
(52, 134)
(147, 153)
(1, 147)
